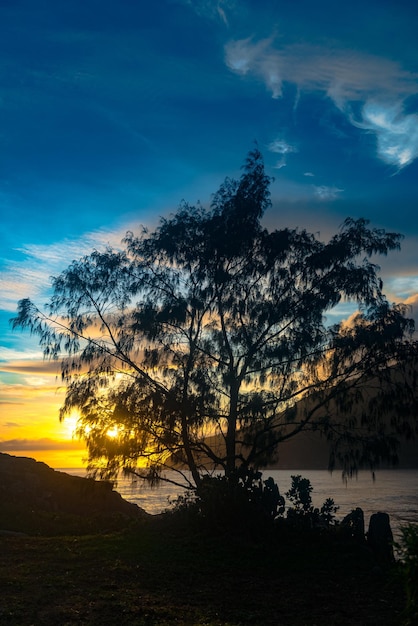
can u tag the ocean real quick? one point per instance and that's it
(393, 491)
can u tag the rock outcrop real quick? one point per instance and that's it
(34, 497)
(380, 538)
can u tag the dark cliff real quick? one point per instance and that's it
(37, 499)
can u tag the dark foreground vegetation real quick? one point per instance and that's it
(176, 568)
(161, 572)
(220, 560)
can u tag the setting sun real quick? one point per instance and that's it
(69, 424)
(113, 432)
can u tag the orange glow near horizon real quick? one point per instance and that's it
(56, 459)
(29, 424)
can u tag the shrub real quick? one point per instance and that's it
(303, 513)
(408, 551)
(247, 502)
(242, 502)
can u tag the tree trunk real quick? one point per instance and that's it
(231, 432)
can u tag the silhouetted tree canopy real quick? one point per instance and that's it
(205, 342)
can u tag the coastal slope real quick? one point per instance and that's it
(37, 499)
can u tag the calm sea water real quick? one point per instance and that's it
(393, 491)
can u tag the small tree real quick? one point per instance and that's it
(302, 512)
(204, 343)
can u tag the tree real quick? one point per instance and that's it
(205, 343)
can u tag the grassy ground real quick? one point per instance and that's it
(160, 573)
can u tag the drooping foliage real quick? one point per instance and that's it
(205, 343)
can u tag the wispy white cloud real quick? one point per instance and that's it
(344, 75)
(396, 132)
(400, 288)
(244, 56)
(300, 196)
(36, 381)
(378, 86)
(212, 9)
(30, 276)
(327, 194)
(280, 146)
(10, 355)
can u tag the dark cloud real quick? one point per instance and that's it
(38, 444)
(30, 368)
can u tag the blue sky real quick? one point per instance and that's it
(112, 112)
